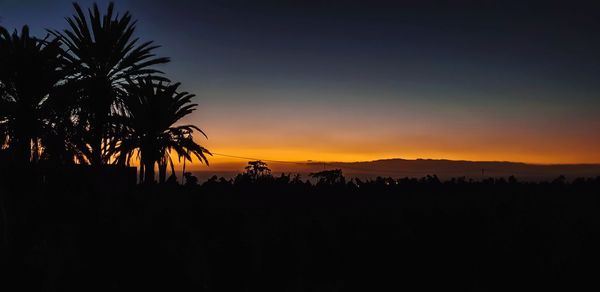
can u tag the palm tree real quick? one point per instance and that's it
(30, 69)
(102, 53)
(62, 139)
(153, 109)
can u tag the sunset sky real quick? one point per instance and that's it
(365, 80)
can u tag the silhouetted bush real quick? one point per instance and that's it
(279, 233)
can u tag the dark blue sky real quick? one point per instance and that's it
(405, 75)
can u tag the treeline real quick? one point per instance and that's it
(91, 94)
(257, 173)
(282, 233)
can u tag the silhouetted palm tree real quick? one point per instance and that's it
(62, 141)
(153, 108)
(30, 69)
(102, 54)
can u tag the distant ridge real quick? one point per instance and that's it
(468, 161)
(399, 168)
(430, 160)
(445, 168)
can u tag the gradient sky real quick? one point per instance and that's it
(363, 80)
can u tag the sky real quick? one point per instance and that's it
(365, 80)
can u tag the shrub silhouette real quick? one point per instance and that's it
(190, 180)
(329, 177)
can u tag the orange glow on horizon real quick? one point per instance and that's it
(365, 132)
(222, 163)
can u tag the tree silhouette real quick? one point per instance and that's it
(190, 180)
(91, 96)
(153, 109)
(102, 54)
(329, 177)
(62, 139)
(30, 69)
(256, 169)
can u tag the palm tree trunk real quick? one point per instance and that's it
(96, 150)
(183, 172)
(149, 172)
(36, 150)
(162, 171)
(101, 112)
(141, 173)
(22, 151)
(172, 169)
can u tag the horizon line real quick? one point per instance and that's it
(316, 162)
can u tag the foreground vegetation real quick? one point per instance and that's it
(285, 234)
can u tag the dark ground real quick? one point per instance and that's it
(281, 235)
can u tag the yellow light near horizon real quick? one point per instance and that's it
(222, 163)
(338, 136)
(297, 159)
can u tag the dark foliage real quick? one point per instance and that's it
(329, 177)
(149, 130)
(91, 94)
(282, 234)
(30, 69)
(101, 53)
